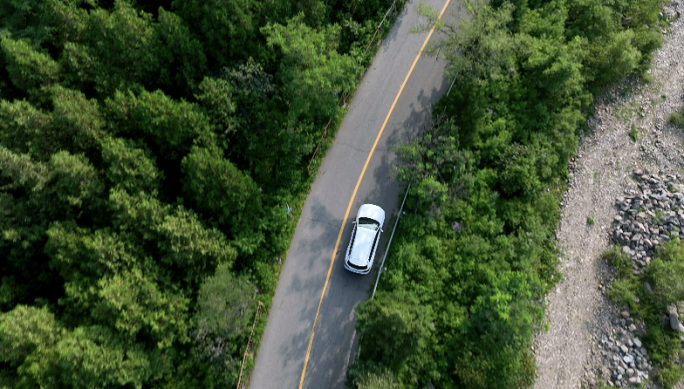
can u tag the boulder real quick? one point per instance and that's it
(647, 287)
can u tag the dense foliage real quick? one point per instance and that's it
(475, 252)
(147, 153)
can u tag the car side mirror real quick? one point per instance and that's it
(353, 221)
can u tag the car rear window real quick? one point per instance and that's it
(367, 223)
(357, 266)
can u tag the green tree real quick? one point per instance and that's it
(77, 119)
(217, 187)
(190, 250)
(183, 246)
(168, 126)
(25, 19)
(74, 182)
(27, 130)
(481, 47)
(224, 27)
(109, 50)
(216, 99)
(311, 69)
(133, 303)
(225, 306)
(180, 54)
(385, 380)
(28, 68)
(24, 330)
(129, 167)
(253, 92)
(432, 162)
(395, 325)
(90, 357)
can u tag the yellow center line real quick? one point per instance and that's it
(356, 188)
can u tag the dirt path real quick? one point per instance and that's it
(579, 311)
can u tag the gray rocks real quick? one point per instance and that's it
(624, 354)
(674, 318)
(647, 217)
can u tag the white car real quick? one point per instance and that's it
(365, 238)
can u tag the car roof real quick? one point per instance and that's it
(363, 244)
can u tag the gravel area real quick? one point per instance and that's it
(580, 314)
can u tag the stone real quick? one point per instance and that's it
(647, 287)
(634, 380)
(632, 328)
(456, 226)
(674, 321)
(625, 314)
(637, 342)
(628, 359)
(623, 348)
(680, 306)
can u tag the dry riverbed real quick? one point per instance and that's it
(580, 313)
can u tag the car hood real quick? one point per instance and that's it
(363, 244)
(372, 212)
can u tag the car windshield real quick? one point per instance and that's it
(369, 224)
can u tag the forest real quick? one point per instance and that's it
(475, 252)
(149, 150)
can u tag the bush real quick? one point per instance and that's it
(678, 118)
(624, 291)
(666, 274)
(663, 346)
(396, 325)
(619, 259)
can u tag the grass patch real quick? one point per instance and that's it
(590, 221)
(677, 118)
(634, 134)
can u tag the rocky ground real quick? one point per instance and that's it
(580, 348)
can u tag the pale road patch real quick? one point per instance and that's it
(579, 312)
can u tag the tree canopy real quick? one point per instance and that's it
(477, 251)
(147, 153)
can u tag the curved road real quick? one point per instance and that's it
(283, 351)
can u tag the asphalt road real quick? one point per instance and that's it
(281, 356)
